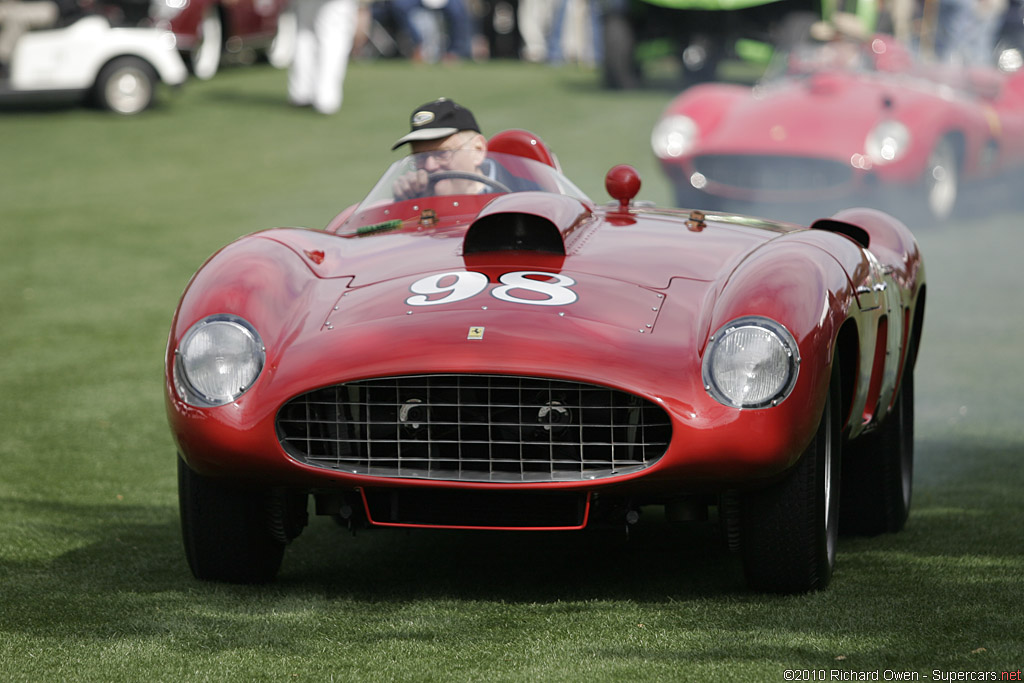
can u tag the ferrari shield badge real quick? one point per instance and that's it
(475, 333)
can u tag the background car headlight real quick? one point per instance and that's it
(1010, 60)
(751, 362)
(674, 136)
(887, 142)
(217, 361)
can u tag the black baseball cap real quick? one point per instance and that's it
(436, 120)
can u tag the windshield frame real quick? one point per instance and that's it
(519, 174)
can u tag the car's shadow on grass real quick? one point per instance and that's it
(653, 560)
(128, 558)
(137, 548)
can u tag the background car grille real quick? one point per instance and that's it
(773, 173)
(474, 428)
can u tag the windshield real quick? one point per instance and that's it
(811, 57)
(466, 172)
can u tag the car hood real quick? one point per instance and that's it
(608, 332)
(535, 230)
(465, 299)
(823, 115)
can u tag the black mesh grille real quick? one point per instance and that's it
(773, 173)
(474, 428)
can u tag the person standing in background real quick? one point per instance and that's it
(412, 16)
(326, 30)
(967, 30)
(17, 17)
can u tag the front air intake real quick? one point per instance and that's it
(488, 428)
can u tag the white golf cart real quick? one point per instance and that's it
(116, 68)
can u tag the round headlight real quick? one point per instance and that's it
(673, 136)
(217, 361)
(1011, 59)
(887, 142)
(751, 363)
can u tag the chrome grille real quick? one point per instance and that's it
(474, 428)
(773, 173)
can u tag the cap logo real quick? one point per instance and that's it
(422, 118)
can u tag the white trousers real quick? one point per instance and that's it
(326, 29)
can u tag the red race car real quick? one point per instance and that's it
(843, 122)
(524, 358)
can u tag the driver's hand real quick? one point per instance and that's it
(410, 185)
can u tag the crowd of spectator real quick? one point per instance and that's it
(569, 31)
(431, 31)
(331, 32)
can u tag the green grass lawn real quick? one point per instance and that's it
(104, 219)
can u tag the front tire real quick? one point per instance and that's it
(235, 534)
(127, 85)
(878, 471)
(788, 531)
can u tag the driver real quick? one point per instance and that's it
(444, 136)
(841, 41)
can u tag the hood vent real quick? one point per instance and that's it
(541, 222)
(854, 232)
(513, 231)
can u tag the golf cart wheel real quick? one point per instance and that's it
(127, 85)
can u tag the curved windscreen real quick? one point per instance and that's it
(812, 57)
(466, 172)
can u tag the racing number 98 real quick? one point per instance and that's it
(546, 289)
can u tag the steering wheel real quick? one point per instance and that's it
(437, 176)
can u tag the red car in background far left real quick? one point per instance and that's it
(212, 31)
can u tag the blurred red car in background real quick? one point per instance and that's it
(845, 121)
(210, 31)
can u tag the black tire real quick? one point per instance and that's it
(235, 534)
(878, 471)
(621, 71)
(126, 85)
(788, 531)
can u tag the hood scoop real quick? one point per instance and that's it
(526, 221)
